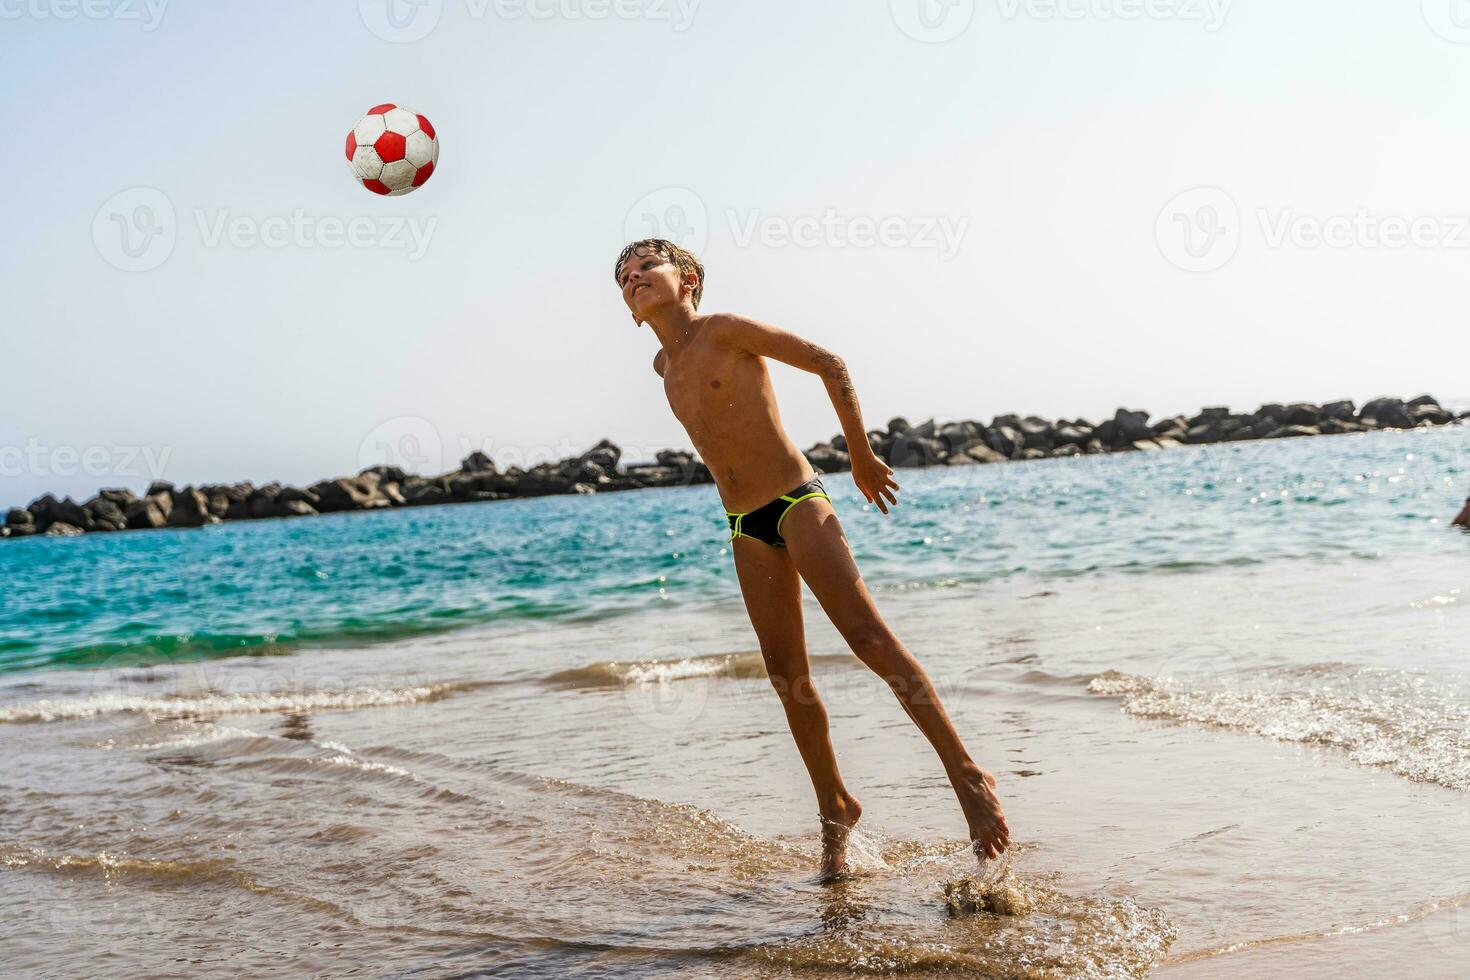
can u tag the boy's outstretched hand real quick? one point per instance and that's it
(875, 479)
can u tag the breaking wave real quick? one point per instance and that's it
(1413, 724)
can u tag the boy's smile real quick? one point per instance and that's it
(649, 281)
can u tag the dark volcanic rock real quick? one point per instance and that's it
(346, 493)
(1386, 413)
(928, 429)
(542, 484)
(288, 494)
(654, 475)
(1424, 410)
(47, 510)
(477, 462)
(1293, 432)
(982, 453)
(1008, 440)
(120, 496)
(1176, 424)
(599, 469)
(1071, 435)
(428, 495)
(1302, 413)
(190, 509)
(691, 470)
(105, 515)
(464, 487)
(909, 449)
(956, 437)
(1202, 434)
(605, 455)
(825, 459)
(1131, 426)
(1208, 415)
(385, 474)
(145, 515)
(1036, 433)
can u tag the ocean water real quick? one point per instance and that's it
(275, 586)
(1225, 692)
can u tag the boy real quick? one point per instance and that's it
(783, 528)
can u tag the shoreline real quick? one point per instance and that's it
(1008, 438)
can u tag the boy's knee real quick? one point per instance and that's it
(872, 645)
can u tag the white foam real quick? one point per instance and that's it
(213, 705)
(1414, 725)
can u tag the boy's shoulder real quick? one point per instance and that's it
(722, 326)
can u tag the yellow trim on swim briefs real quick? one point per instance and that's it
(794, 502)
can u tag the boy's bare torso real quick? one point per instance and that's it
(723, 397)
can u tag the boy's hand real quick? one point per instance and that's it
(875, 479)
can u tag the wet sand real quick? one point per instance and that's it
(622, 799)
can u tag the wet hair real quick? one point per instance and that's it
(664, 249)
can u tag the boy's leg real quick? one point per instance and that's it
(820, 553)
(772, 592)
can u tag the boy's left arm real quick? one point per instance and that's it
(872, 476)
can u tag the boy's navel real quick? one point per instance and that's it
(714, 384)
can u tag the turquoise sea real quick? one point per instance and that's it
(273, 586)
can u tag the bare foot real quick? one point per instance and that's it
(837, 823)
(975, 787)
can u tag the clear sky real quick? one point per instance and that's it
(978, 204)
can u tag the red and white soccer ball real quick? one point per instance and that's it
(392, 150)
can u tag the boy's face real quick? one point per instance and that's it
(649, 281)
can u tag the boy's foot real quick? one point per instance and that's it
(989, 835)
(837, 823)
